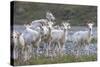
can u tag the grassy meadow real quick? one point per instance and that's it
(64, 59)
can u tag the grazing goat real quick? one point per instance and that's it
(82, 38)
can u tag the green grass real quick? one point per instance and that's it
(64, 59)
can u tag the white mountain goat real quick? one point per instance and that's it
(15, 44)
(15, 37)
(83, 38)
(38, 23)
(30, 38)
(43, 22)
(45, 39)
(58, 36)
(50, 16)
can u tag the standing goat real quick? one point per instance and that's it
(15, 44)
(58, 36)
(30, 38)
(82, 38)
